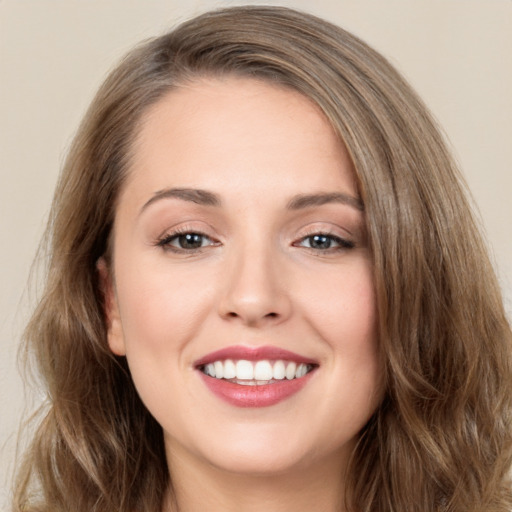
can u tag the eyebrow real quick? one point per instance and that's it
(307, 200)
(299, 202)
(193, 195)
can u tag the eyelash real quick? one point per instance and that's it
(343, 244)
(165, 242)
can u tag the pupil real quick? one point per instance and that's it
(190, 241)
(320, 242)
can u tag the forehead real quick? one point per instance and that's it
(239, 130)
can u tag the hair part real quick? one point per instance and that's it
(442, 437)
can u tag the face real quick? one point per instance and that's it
(241, 288)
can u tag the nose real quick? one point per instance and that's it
(254, 293)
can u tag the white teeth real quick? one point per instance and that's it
(252, 382)
(244, 370)
(263, 370)
(279, 370)
(256, 373)
(229, 369)
(290, 370)
(301, 371)
(219, 369)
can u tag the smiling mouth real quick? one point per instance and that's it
(245, 376)
(256, 373)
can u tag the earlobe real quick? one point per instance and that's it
(110, 309)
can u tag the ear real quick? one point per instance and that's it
(110, 309)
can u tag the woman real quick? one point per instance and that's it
(266, 285)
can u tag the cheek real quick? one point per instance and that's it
(161, 311)
(344, 314)
(161, 307)
(341, 305)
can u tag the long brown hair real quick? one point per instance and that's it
(441, 440)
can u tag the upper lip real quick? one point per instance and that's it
(238, 352)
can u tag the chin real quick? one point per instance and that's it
(260, 462)
(268, 450)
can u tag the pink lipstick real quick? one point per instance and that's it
(255, 376)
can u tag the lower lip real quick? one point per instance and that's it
(255, 396)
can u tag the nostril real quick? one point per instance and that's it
(233, 314)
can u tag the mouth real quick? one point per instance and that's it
(255, 377)
(256, 373)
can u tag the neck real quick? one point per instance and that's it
(198, 486)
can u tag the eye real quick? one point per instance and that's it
(185, 242)
(324, 242)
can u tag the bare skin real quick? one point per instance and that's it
(279, 259)
(217, 491)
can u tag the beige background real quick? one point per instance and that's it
(53, 55)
